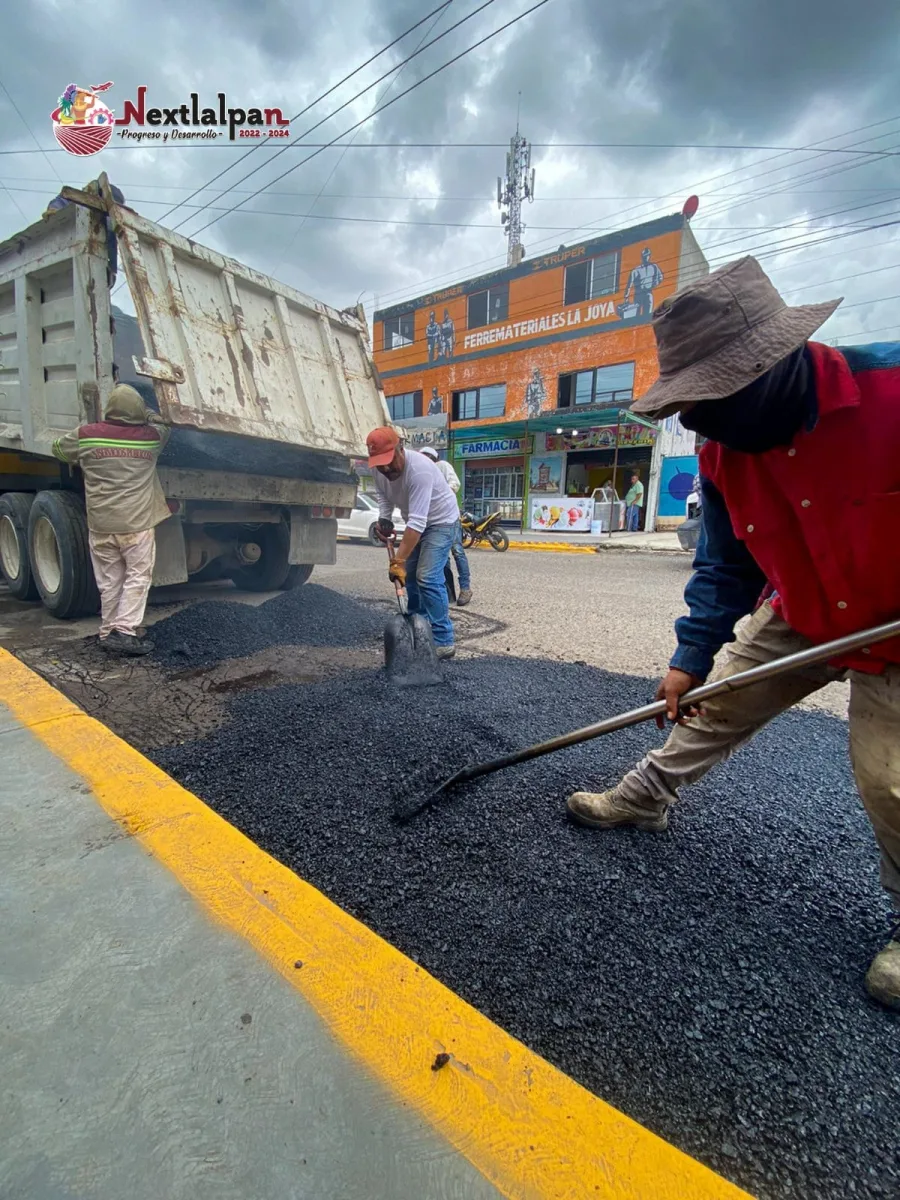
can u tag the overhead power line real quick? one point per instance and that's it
(442, 198)
(495, 260)
(420, 49)
(380, 96)
(388, 103)
(318, 100)
(738, 147)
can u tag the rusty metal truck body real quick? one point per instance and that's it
(269, 393)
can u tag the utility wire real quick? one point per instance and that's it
(395, 99)
(387, 88)
(399, 66)
(443, 198)
(313, 103)
(30, 131)
(733, 171)
(739, 147)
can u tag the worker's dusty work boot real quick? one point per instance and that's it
(883, 978)
(464, 598)
(445, 652)
(607, 810)
(128, 645)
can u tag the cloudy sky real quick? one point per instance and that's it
(670, 98)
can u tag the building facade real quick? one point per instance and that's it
(541, 362)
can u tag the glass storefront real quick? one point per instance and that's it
(495, 487)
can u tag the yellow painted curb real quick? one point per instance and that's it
(532, 1131)
(553, 547)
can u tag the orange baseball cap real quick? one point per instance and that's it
(382, 445)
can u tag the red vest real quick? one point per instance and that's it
(821, 517)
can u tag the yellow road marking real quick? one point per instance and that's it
(532, 1131)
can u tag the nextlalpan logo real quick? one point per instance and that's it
(83, 124)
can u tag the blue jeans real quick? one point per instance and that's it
(459, 557)
(425, 587)
(633, 518)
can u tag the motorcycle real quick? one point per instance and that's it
(486, 530)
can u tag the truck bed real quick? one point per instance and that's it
(225, 349)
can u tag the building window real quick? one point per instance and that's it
(595, 277)
(480, 402)
(603, 385)
(489, 307)
(405, 406)
(399, 331)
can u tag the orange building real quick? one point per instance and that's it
(540, 361)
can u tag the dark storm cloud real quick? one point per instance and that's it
(643, 72)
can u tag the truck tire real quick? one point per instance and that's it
(272, 570)
(15, 565)
(60, 555)
(297, 576)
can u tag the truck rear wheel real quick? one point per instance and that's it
(60, 555)
(297, 576)
(271, 570)
(14, 560)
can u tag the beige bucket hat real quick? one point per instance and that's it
(719, 334)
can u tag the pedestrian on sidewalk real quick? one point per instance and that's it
(785, 417)
(464, 596)
(412, 483)
(634, 502)
(125, 503)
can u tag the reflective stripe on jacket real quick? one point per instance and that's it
(118, 461)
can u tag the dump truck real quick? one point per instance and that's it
(269, 393)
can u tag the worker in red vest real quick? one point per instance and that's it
(800, 481)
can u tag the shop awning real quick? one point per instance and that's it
(565, 419)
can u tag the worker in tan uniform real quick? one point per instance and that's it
(125, 503)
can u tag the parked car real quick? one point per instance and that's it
(361, 522)
(689, 530)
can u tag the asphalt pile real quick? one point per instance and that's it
(707, 981)
(212, 630)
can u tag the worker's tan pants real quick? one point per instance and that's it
(123, 568)
(732, 719)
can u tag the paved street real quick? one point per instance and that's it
(614, 610)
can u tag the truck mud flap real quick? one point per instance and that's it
(313, 540)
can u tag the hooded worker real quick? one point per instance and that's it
(125, 502)
(784, 418)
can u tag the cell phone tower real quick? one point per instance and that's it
(516, 187)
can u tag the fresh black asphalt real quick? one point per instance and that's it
(707, 981)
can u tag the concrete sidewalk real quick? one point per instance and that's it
(184, 1017)
(148, 1052)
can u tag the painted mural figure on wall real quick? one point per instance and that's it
(448, 335)
(435, 404)
(433, 338)
(641, 282)
(535, 395)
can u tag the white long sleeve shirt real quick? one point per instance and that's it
(448, 473)
(421, 493)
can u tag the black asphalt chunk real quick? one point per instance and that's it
(707, 981)
(207, 632)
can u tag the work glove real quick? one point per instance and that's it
(384, 529)
(397, 573)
